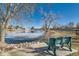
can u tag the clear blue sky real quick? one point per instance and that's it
(69, 13)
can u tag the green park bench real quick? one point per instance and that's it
(53, 43)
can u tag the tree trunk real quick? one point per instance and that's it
(2, 34)
(45, 34)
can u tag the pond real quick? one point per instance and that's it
(14, 38)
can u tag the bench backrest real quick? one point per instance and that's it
(67, 40)
(59, 40)
(51, 41)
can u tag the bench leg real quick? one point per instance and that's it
(49, 48)
(54, 51)
(54, 47)
(61, 45)
(70, 47)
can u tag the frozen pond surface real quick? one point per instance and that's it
(23, 37)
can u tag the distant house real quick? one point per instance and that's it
(10, 28)
(16, 29)
(20, 30)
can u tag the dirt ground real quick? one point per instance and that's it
(75, 46)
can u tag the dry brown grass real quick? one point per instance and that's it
(77, 48)
(62, 33)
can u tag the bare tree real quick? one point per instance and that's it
(70, 26)
(9, 11)
(77, 25)
(48, 18)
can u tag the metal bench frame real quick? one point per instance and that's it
(53, 41)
